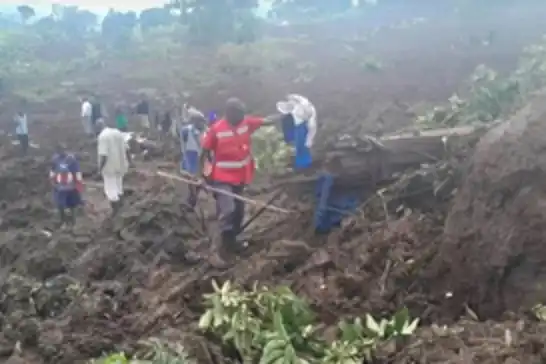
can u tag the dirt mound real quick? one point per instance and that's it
(106, 285)
(494, 248)
(475, 342)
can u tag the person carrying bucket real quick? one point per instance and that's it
(299, 126)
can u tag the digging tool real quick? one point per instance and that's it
(215, 190)
(260, 211)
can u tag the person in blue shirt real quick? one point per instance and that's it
(190, 145)
(21, 130)
(67, 181)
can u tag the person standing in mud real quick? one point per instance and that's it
(299, 126)
(143, 112)
(166, 124)
(121, 119)
(21, 130)
(190, 147)
(227, 147)
(114, 160)
(67, 181)
(96, 115)
(86, 115)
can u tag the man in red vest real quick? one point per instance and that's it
(227, 143)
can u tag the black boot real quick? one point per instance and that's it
(229, 242)
(62, 218)
(71, 218)
(223, 250)
(115, 207)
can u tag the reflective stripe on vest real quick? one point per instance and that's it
(234, 164)
(229, 133)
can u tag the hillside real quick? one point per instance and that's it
(138, 283)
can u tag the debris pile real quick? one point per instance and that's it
(105, 287)
(499, 213)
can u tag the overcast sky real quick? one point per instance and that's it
(95, 5)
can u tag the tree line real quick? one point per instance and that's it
(206, 20)
(210, 21)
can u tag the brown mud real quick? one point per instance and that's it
(109, 283)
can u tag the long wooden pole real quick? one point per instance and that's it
(227, 193)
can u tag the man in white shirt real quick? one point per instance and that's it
(21, 130)
(86, 112)
(114, 160)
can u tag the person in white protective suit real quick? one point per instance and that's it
(299, 126)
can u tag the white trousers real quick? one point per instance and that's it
(144, 120)
(113, 187)
(87, 125)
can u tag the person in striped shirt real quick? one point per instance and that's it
(67, 181)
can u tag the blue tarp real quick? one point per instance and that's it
(328, 200)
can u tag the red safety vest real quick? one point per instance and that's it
(233, 162)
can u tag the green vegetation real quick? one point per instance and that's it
(155, 352)
(491, 96)
(275, 326)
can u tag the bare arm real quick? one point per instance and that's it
(102, 151)
(272, 119)
(129, 157)
(102, 162)
(203, 158)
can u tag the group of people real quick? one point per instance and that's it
(93, 112)
(215, 150)
(114, 160)
(226, 162)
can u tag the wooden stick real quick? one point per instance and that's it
(95, 184)
(233, 195)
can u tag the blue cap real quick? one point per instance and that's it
(212, 117)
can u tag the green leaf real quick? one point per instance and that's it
(272, 351)
(206, 320)
(119, 358)
(372, 325)
(226, 287)
(278, 326)
(218, 312)
(410, 329)
(215, 286)
(400, 319)
(383, 327)
(349, 332)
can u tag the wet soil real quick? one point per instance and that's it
(108, 283)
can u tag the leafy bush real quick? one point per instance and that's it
(157, 352)
(490, 95)
(270, 151)
(275, 326)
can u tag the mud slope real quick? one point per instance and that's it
(494, 247)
